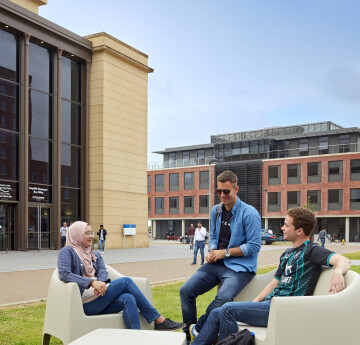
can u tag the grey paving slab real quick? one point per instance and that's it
(158, 250)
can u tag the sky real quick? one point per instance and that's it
(225, 66)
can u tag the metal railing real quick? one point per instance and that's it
(270, 154)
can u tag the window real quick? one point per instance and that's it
(188, 204)
(203, 204)
(285, 149)
(323, 145)
(314, 199)
(314, 172)
(174, 205)
(173, 181)
(201, 157)
(344, 143)
(355, 170)
(186, 158)
(355, 199)
(172, 160)
(159, 206)
(148, 183)
(304, 147)
(274, 175)
(293, 199)
(274, 202)
(335, 198)
(235, 149)
(335, 171)
(149, 205)
(293, 173)
(204, 180)
(159, 183)
(188, 180)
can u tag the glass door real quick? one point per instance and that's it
(3, 227)
(39, 227)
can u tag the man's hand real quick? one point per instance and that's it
(342, 265)
(337, 282)
(99, 287)
(217, 254)
(209, 258)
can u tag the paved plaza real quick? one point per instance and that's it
(25, 276)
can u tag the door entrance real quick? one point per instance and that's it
(39, 227)
(7, 230)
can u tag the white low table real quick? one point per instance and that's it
(110, 336)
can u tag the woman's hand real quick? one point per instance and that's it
(99, 287)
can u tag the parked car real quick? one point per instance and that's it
(267, 238)
(184, 239)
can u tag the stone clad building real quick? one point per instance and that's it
(73, 131)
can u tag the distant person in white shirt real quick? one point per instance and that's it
(63, 231)
(270, 231)
(199, 240)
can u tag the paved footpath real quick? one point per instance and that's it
(25, 276)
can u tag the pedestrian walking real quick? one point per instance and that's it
(322, 235)
(102, 238)
(63, 231)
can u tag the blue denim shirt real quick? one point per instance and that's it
(71, 268)
(245, 227)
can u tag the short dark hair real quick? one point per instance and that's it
(102, 225)
(199, 221)
(323, 227)
(302, 218)
(228, 176)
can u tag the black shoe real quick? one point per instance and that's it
(169, 325)
(194, 263)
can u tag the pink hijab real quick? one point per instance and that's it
(75, 239)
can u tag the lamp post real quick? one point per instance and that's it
(214, 160)
(266, 208)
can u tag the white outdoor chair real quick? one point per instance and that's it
(323, 318)
(65, 318)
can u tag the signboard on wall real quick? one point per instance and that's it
(8, 191)
(129, 229)
(39, 193)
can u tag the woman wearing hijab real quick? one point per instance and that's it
(79, 264)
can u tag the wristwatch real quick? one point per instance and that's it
(227, 253)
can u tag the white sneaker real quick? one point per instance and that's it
(193, 332)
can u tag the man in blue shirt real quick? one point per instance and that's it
(297, 275)
(232, 261)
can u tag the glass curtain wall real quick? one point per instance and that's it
(40, 138)
(9, 116)
(70, 139)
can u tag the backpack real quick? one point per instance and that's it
(245, 337)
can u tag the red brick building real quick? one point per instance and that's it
(178, 197)
(314, 165)
(328, 184)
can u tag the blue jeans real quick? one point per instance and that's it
(63, 241)
(199, 245)
(203, 280)
(123, 295)
(223, 320)
(102, 244)
(322, 242)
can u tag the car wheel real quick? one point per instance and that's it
(263, 242)
(184, 240)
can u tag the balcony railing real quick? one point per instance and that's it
(179, 163)
(269, 154)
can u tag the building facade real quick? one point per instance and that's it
(313, 165)
(73, 119)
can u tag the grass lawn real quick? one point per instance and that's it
(23, 324)
(353, 256)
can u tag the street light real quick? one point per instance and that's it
(214, 160)
(266, 208)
